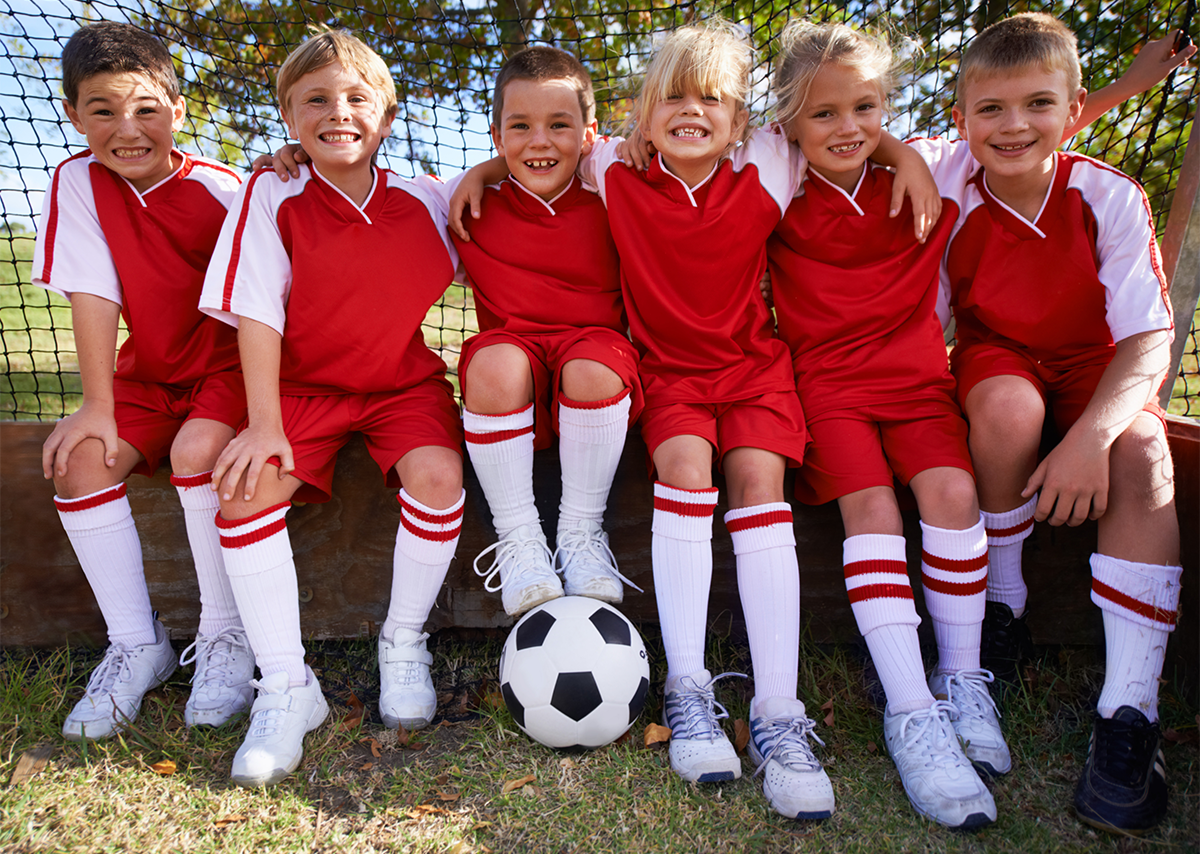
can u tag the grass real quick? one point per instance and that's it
(361, 790)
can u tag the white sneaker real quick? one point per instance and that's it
(587, 563)
(940, 782)
(116, 687)
(221, 684)
(279, 719)
(978, 720)
(525, 567)
(406, 695)
(700, 751)
(794, 782)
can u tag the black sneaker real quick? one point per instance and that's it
(1124, 784)
(1005, 643)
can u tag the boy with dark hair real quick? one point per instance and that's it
(551, 355)
(306, 271)
(1055, 280)
(127, 229)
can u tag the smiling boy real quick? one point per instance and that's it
(551, 355)
(330, 337)
(126, 231)
(1055, 280)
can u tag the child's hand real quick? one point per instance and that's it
(88, 422)
(247, 454)
(914, 180)
(764, 285)
(285, 162)
(1073, 480)
(467, 195)
(636, 151)
(1155, 61)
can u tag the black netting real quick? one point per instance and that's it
(443, 58)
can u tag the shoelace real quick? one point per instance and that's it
(264, 722)
(511, 552)
(974, 697)
(1120, 749)
(697, 709)
(217, 653)
(788, 738)
(112, 669)
(406, 672)
(579, 540)
(932, 737)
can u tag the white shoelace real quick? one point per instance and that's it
(580, 541)
(788, 738)
(518, 557)
(931, 736)
(112, 669)
(697, 707)
(215, 655)
(974, 699)
(264, 722)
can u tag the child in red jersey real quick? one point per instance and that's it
(306, 270)
(1055, 280)
(552, 354)
(127, 230)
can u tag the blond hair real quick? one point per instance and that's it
(713, 58)
(343, 47)
(1031, 38)
(805, 47)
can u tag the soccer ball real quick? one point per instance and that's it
(574, 673)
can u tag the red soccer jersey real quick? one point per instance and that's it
(856, 296)
(146, 252)
(346, 287)
(691, 263)
(538, 266)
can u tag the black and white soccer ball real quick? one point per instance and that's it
(574, 673)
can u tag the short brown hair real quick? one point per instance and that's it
(111, 47)
(540, 63)
(1031, 38)
(345, 48)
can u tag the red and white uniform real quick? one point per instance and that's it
(147, 252)
(691, 263)
(346, 287)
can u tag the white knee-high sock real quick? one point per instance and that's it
(591, 437)
(764, 543)
(258, 560)
(425, 544)
(501, 451)
(218, 608)
(681, 553)
(101, 530)
(1006, 535)
(881, 598)
(1140, 602)
(954, 573)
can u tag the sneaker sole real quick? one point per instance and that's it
(544, 595)
(282, 773)
(409, 724)
(1112, 828)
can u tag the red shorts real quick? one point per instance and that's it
(392, 422)
(1065, 393)
(149, 415)
(854, 449)
(772, 422)
(547, 354)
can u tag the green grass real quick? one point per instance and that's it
(444, 791)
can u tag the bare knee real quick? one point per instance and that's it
(871, 511)
(87, 472)
(946, 498)
(1005, 409)
(1140, 462)
(433, 476)
(587, 380)
(498, 380)
(196, 448)
(754, 477)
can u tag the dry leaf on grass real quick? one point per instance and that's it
(403, 736)
(461, 847)
(492, 699)
(366, 766)
(225, 821)
(376, 747)
(741, 735)
(657, 734)
(166, 767)
(516, 784)
(449, 796)
(427, 809)
(871, 748)
(828, 707)
(354, 717)
(30, 764)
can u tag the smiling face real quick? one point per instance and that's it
(692, 131)
(340, 121)
(839, 126)
(542, 134)
(130, 126)
(1013, 121)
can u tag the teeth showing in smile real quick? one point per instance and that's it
(847, 147)
(1018, 147)
(541, 164)
(695, 133)
(339, 137)
(130, 153)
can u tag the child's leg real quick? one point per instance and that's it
(593, 417)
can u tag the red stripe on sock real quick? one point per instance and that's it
(436, 518)
(72, 505)
(1015, 529)
(190, 480)
(498, 436)
(951, 588)
(880, 591)
(255, 536)
(682, 508)
(971, 565)
(1142, 609)
(862, 567)
(759, 520)
(426, 534)
(563, 400)
(222, 522)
